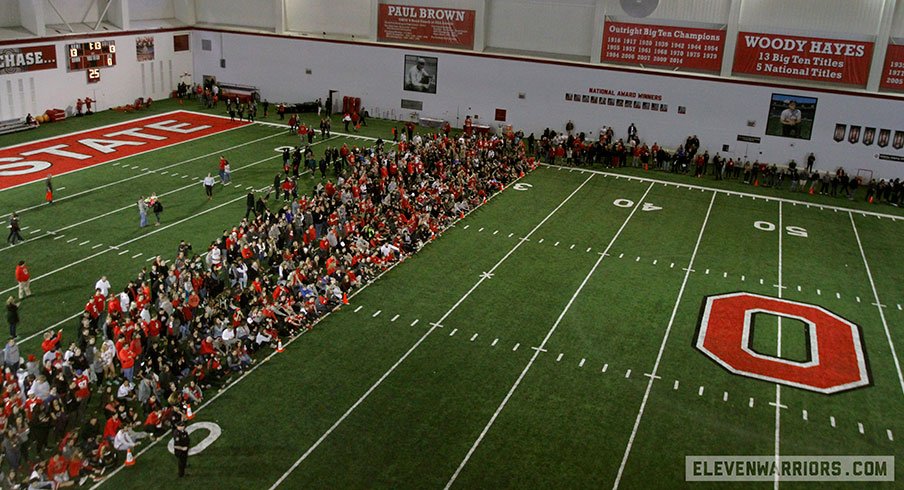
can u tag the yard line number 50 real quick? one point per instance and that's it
(790, 230)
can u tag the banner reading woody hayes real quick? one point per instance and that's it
(426, 25)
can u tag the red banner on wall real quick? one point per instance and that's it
(803, 58)
(893, 71)
(427, 25)
(31, 58)
(674, 47)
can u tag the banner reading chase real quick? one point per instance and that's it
(426, 25)
(31, 58)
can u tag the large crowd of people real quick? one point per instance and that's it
(571, 147)
(147, 351)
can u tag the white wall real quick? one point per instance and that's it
(9, 14)
(842, 16)
(547, 27)
(73, 11)
(897, 26)
(708, 11)
(150, 9)
(345, 17)
(119, 85)
(247, 13)
(717, 111)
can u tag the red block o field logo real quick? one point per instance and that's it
(836, 360)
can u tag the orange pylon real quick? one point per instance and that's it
(130, 460)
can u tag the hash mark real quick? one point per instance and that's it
(890, 436)
(35, 231)
(588, 249)
(605, 368)
(560, 356)
(453, 332)
(71, 240)
(86, 241)
(58, 237)
(473, 337)
(761, 280)
(515, 347)
(724, 396)
(724, 275)
(637, 259)
(376, 313)
(494, 343)
(700, 391)
(414, 322)
(394, 318)
(98, 245)
(838, 295)
(123, 252)
(798, 288)
(480, 230)
(672, 265)
(621, 255)
(832, 420)
(860, 427)
(899, 307)
(495, 232)
(139, 254)
(359, 308)
(556, 245)
(510, 235)
(627, 374)
(805, 415)
(707, 271)
(571, 247)
(858, 298)
(743, 278)
(466, 227)
(655, 261)
(818, 292)
(581, 364)
(751, 402)
(676, 385)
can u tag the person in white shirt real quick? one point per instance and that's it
(208, 185)
(418, 78)
(124, 301)
(791, 119)
(103, 285)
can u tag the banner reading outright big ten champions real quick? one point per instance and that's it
(803, 58)
(427, 25)
(31, 58)
(893, 71)
(691, 48)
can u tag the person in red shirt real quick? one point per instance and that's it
(50, 342)
(222, 171)
(24, 279)
(127, 361)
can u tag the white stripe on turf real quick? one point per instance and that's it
(549, 334)
(665, 339)
(421, 340)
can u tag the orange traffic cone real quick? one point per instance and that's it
(870, 199)
(345, 298)
(645, 167)
(130, 460)
(811, 191)
(279, 347)
(188, 413)
(756, 183)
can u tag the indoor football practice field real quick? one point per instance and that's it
(585, 328)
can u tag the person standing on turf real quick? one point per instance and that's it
(12, 317)
(208, 185)
(249, 204)
(181, 444)
(14, 228)
(222, 169)
(142, 212)
(24, 279)
(48, 187)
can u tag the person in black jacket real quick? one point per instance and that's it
(249, 204)
(181, 444)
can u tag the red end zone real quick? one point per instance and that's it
(30, 162)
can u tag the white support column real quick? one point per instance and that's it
(599, 27)
(280, 21)
(185, 11)
(374, 18)
(480, 25)
(115, 12)
(31, 16)
(731, 37)
(881, 46)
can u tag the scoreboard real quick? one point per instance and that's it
(91, 56)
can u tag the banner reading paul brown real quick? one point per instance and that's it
(803, 58)
(426, 25)
(31, 58)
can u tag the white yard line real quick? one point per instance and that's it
(872, 284)
(665, 339)
(549, 334)
(778, 349)
(433, 327)
(155, 231)
(731, 193)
